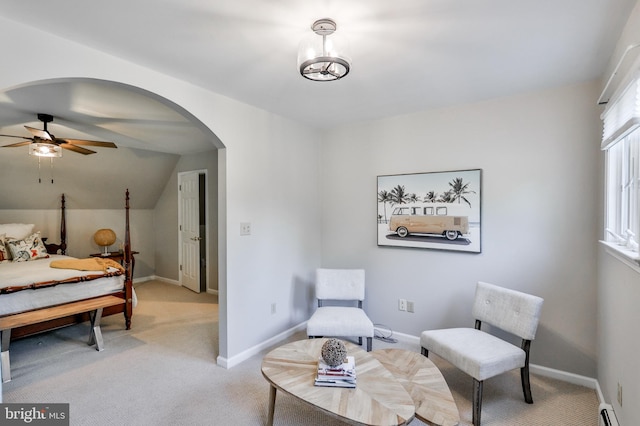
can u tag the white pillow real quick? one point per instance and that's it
(16, 231)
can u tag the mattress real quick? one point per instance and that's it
(23, 273)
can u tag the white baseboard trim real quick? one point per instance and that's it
(405, 338)
(248, 353)
(142, 280)
(168, 281)
(565, 376)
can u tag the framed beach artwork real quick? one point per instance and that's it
(435, 210)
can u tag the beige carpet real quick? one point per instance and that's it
(163, 372)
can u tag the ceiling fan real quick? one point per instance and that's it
(45, 144)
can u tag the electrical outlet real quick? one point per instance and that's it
(245, 228)
(402, 304)
(273, 308)
(620, 394)
(409, 306)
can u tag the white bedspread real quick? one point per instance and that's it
(23, 273)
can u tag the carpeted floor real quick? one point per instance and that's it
(163, 372)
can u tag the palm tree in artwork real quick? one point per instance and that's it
(413, 198)
(431, 197)
(446, 197)
(459, 189)
(384, 197)
(399, 195)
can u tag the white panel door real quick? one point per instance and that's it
(189, 231)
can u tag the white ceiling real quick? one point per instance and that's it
(408, 55)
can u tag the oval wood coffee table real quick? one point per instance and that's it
(378, 398)
(424, 382)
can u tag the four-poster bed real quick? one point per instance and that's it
(43, 289)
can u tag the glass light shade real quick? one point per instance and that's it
(104, 238)
(42, 149)
(324, 57)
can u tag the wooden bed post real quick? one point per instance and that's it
(53, 248)
(63, 228)
(128, 286)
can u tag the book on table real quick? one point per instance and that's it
(343, 375)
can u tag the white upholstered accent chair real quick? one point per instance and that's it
(340, 321)
(482, 355)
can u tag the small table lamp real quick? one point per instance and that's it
(104, 238)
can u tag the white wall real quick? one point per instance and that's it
(275, 188)
(270, 167)
(618, 343)
(619, 298)
(539, 158)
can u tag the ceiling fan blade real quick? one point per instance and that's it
(42, 134)
(14, 136)
(77, 149)
(13, 145)
(88, 143)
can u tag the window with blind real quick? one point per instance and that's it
(621, 142)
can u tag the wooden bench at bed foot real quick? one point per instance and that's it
(93, 306)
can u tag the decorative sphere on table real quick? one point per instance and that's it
(333, 352)
(104, 238)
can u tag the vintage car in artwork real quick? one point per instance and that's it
(442, 219)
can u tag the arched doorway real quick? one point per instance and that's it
(148, 129)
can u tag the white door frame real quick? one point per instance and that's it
(206, 221)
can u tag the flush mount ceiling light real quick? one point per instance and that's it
(324, 58)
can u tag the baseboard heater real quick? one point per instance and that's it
(607, 415)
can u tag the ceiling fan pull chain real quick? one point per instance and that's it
(51, 159)
(39, 176)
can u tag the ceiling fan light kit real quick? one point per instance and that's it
(44, 149)
(45, 144)
(324, 56)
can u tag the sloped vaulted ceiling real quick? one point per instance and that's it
(151, 135)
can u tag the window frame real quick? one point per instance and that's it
(621, 143)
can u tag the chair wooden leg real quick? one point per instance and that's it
(425, 352)
(369, 343)
(360, 341)
(526, 384)
(477, 401)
